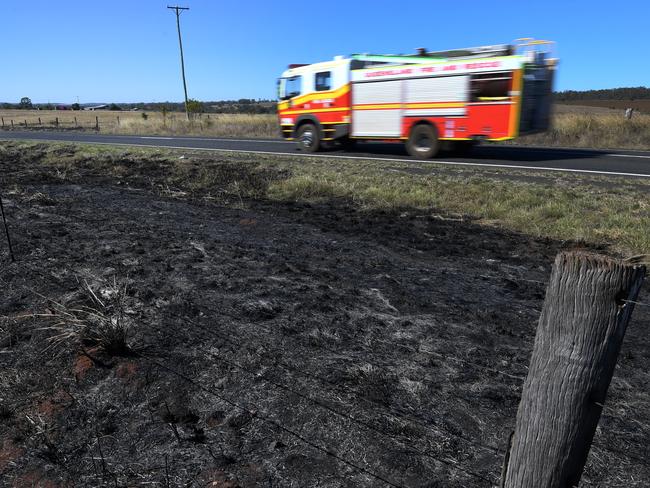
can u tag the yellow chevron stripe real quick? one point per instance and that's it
(385, 106)
(310, 97)
(437, 105)
(316, 110)
(389, 106)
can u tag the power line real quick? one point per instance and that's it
(266, 418)
(178, 11)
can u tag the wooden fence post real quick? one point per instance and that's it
(57, 122)
(75, 122)
(12, 123)
(589, 301)
(118, 120)
(3, 121)
(96, 123)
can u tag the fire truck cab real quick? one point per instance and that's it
(465, 95)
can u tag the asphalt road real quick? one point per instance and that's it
(631, 164)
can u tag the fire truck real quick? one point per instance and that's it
(463, 96)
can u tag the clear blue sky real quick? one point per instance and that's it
(127, 51)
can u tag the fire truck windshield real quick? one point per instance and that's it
(289, 87)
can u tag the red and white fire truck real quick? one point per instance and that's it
(465, 95)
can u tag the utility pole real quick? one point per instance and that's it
(180, 44)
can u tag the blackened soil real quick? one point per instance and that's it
(281, 345)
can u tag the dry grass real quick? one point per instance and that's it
(594, 130)
(642, 105)
(95, 316)
(563, 207)
(572, 126)
(174, 123)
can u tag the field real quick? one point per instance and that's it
(173, 123)
(177, 319)
(573, 126)
(620, 105)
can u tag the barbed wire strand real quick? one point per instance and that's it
(346, 416)
(420, 350)
(255, 413)
(393, 411)
(396, 412)
(412, 350)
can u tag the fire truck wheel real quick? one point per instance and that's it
(423, 142)
(308, 138)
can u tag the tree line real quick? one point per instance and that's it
(260, 106)
(241, 106)
(628, 93)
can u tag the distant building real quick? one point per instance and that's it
(96, 107)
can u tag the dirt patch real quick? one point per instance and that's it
(82, 365)
(127, 371)
(34, 479)
(54, 404)
(279, 343)
(9, 452)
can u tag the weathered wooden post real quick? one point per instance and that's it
(589, 301)
(57, 122)
(96, 123)
(75, 122)
(3, 121)
(118, 120)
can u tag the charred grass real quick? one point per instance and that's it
(270, 305)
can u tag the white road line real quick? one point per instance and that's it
(399, 160)
(629, 156)
(263, 141)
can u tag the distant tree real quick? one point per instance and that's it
(164, 110)
(194, 106)
(25, 102)
(75, 106)
(114, 106)
(48, 106)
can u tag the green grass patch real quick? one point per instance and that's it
(602, 210)
(597, 210)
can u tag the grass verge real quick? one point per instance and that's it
(597, 130)
(608, 211)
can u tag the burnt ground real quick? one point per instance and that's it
(272, 344)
